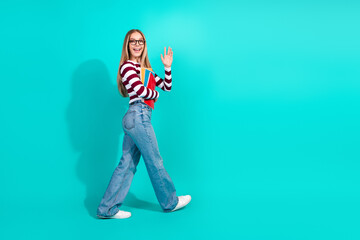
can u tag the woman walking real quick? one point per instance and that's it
(139, 139)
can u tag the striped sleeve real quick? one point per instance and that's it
(132, 82)
(164, 84)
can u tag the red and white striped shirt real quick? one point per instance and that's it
(130, 74)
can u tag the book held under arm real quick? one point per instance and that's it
(148, 80)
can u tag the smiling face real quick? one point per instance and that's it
(136, 48)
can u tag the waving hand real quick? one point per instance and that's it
(167, 59)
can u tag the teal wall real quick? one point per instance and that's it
(261, 126)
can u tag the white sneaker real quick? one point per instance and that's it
(120, 214)
(183, 201)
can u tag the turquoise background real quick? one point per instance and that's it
(261, 126)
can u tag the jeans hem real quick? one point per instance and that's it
(169, 210)
(101, 216)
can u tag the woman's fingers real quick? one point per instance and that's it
(167, 56)
(169, 52)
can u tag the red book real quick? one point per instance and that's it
(148, 80)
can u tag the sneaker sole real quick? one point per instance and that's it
(112, 217)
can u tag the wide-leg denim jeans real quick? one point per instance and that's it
(139, 140)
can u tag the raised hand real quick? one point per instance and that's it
(167, 59)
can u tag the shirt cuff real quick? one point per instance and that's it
(167, 68)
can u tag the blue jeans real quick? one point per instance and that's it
(139, 139)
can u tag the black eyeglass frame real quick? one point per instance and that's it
(133, 42)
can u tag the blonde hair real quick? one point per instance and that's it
(125, 55)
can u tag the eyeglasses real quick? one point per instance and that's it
(133, 42)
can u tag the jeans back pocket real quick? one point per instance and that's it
(129, 120)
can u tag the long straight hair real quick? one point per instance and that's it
(125, 55)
